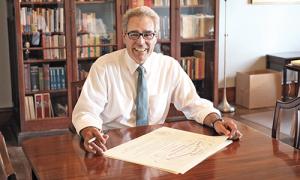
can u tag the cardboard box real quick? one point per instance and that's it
(258, 89)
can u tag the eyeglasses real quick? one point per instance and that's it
(134, 35)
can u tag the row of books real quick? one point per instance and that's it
(164, 28)
(41, 0)
(194, 66)
(56, 44)
(38, 107)
(42, 19)
(44, 78)
(93, 45)
(196, 26)
(150, 3)
(88, 22)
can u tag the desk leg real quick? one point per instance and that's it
(284, 91)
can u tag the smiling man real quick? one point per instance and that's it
(135, 86)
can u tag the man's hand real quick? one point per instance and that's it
(98, 145)
(228, 127)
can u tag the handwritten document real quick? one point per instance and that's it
(169, 149)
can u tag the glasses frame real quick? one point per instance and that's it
(143, 34)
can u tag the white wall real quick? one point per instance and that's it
(5, 84)
(254, 31)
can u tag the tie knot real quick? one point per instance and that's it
(140, 69)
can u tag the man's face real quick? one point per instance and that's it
(140, 48)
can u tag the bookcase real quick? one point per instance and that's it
(54, 42)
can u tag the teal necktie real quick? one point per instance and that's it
(141, 99)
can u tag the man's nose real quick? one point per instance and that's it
(141, 39)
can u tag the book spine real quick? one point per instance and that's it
(27, 77)
(47, 105)
(39, 106)
(34, 77)
(46, 77)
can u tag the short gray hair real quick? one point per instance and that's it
(140, 12)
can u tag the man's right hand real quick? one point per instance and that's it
(98, 145)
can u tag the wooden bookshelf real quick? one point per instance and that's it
(69, 35)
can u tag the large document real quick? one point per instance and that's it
(169, 149)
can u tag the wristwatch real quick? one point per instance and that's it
(216, 120)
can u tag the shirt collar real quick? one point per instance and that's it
(132, 65)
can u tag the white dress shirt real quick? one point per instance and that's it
(107, 99)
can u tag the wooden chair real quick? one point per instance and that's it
(75, 92)
(6, 170)
(293, 106)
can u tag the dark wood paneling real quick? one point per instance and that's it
(230, 92)
(6, 115)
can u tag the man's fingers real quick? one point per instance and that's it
(98, 147)
(89, 148)
(94, 140)
(236, 136)
(102, 137)
(221, 129)
(95, 147)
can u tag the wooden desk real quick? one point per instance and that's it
(256, 156)
(278, 62)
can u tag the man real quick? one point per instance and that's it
(110, 97)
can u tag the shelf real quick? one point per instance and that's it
(42, 48)
(92, 2)
(56, 91)
(192, 6)
(41, 4)
(100, 45)
(88, 59)
(30, 61)
(193, 40)
(46, 33)
(49, 123)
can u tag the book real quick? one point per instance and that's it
(27, 111)
(31, 108)
(46, 76)
(34, 78)
(47, 105)
(39, 106)
(27, 75)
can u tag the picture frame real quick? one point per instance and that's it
(275, 1)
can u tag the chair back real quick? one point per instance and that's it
(6, 170)
(75, 93)
(294, 107)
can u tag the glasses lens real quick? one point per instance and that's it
(134, 35)
(148, 35)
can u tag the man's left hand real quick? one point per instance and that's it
(228, 127)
